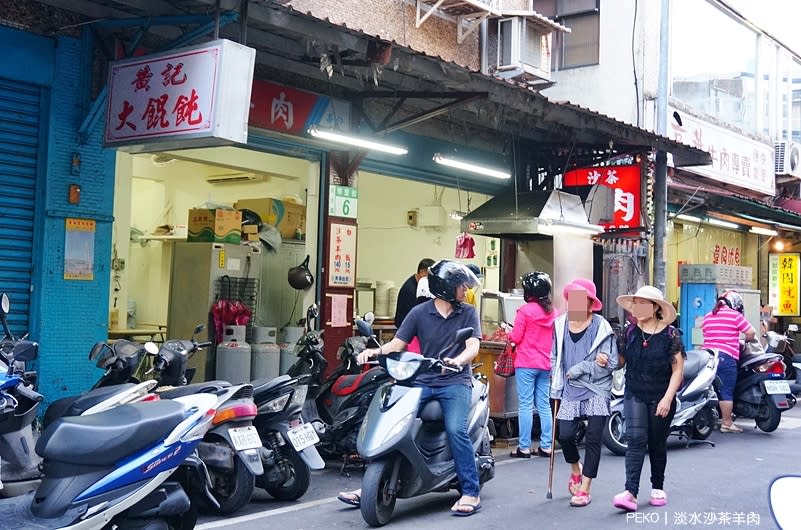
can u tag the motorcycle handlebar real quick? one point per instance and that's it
(205, 344)
(26, 392)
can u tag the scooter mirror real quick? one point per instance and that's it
(25, 350)
(462, 335)
(783, 501)
(97, 349)
(152, 348)
(198, 329)
(369, 317)
(5, 304)
(364, 327)
(793, 328)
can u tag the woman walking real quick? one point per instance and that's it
(654, 358)
(583, 357)
(532, 338)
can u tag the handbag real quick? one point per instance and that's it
(505, 363)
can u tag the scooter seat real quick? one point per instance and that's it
(262, 386)
(194, 388)
(350, 383)
(696, 359)
(77, 405)
(108, 437)
(431, 411)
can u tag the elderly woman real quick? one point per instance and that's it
(583, 357)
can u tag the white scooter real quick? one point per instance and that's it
(696, 411)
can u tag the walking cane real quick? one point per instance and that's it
(549, 495)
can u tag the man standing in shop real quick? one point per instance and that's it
(407, 296)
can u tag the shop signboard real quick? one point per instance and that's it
(192, 97)
(783, 283)
(342, 255)
(343, 201)
(291, 111)
(624, 183)
(736, 158)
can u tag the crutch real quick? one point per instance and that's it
(549, 495)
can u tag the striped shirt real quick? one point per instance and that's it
(722, 330)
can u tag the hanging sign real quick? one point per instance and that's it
(783, 284)
(342, 201)
(292, 111)
(195, 97)
(624, 183)
(342, 255)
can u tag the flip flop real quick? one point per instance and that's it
(731, 428)
(348, 497)
(519, 454)
(473, 509)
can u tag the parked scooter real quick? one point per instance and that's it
(336, 405)
(407, 447)
(761, 391)
(696, 408)
(782, 343)
(125, 482)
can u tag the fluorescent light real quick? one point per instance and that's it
(724, 224)
(474, 168)
(763, 231)
(457, 215)
(554, 226)
(340, 138)
(688, 218)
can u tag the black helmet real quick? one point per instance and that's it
(445, 276)
(300, 277)
(249, 217)
(732, 299)
(536, 286)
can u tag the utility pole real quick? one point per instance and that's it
(660, 179)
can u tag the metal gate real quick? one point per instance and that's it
(20, 107)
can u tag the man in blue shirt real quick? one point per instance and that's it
(407, 295)
(435, 323)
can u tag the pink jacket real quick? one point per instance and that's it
(533, 335)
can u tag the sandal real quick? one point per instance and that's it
(581, 498)
(350, 497)
(517, 453)
(658, 498)
(574, 484)
(625, 501)
(730, 428)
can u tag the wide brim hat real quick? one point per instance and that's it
(649, 292)
(580, 284)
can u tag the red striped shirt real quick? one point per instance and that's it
(722, 330)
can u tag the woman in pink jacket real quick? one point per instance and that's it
(532, 337)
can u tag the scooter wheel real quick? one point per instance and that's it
(232, 490)
(614, 434)
(299, 477)
(377, 503)
(769, 417)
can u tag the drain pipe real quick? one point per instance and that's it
(660, 180)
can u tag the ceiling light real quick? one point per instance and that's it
(355, 141)
(688, 218)
(473, 168)
(763, 231)
(457, 215)
(554, 226)
(778, 245)
(724, 224)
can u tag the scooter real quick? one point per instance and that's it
(696, 408)
(407, 447)
(125, 483)
(761, 391)
(336, 405)
(782, 343)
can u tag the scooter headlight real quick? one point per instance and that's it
(275, 405)
(402, 370)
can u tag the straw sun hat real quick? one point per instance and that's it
(649, 292)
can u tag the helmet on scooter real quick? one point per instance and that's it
(445, 276)
(536, 286)
(732, 299)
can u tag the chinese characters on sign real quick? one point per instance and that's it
(291, 111)
(79, 249)
(197, 92)
(343, 201)
(736, 159)
(624, 181)
(783, 283)
(723, 255)
(342, 256)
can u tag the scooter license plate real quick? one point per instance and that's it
(777, 387)
(303, 436)
(244, 438)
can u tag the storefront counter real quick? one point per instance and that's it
(502, 390)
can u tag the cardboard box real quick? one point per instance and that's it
(250, 229)
(289, 218)
(214, 225)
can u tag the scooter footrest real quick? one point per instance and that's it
(16, 513)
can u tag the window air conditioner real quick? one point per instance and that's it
(233, 178)
(523, 51)
(788, 159)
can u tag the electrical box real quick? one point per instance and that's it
(411, 217)
(431, 216)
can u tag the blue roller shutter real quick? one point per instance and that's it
(19, 161)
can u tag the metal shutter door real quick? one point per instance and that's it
(19, 151)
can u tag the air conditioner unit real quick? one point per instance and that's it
(524, 51)
(234, 177)
(788, 159)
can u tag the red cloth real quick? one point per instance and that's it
(464, 246)
(414, 346)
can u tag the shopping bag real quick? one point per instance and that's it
(505, 363)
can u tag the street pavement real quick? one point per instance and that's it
(725, 486)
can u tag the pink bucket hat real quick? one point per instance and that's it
(580, 284)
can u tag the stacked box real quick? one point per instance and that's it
(287, 217)
(214, 225)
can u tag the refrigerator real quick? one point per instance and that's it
(281, 305)
(202, 272)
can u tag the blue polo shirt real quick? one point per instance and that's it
(436, 333)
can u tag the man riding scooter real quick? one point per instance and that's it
(435, 323)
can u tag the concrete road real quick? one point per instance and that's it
(713, 487)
